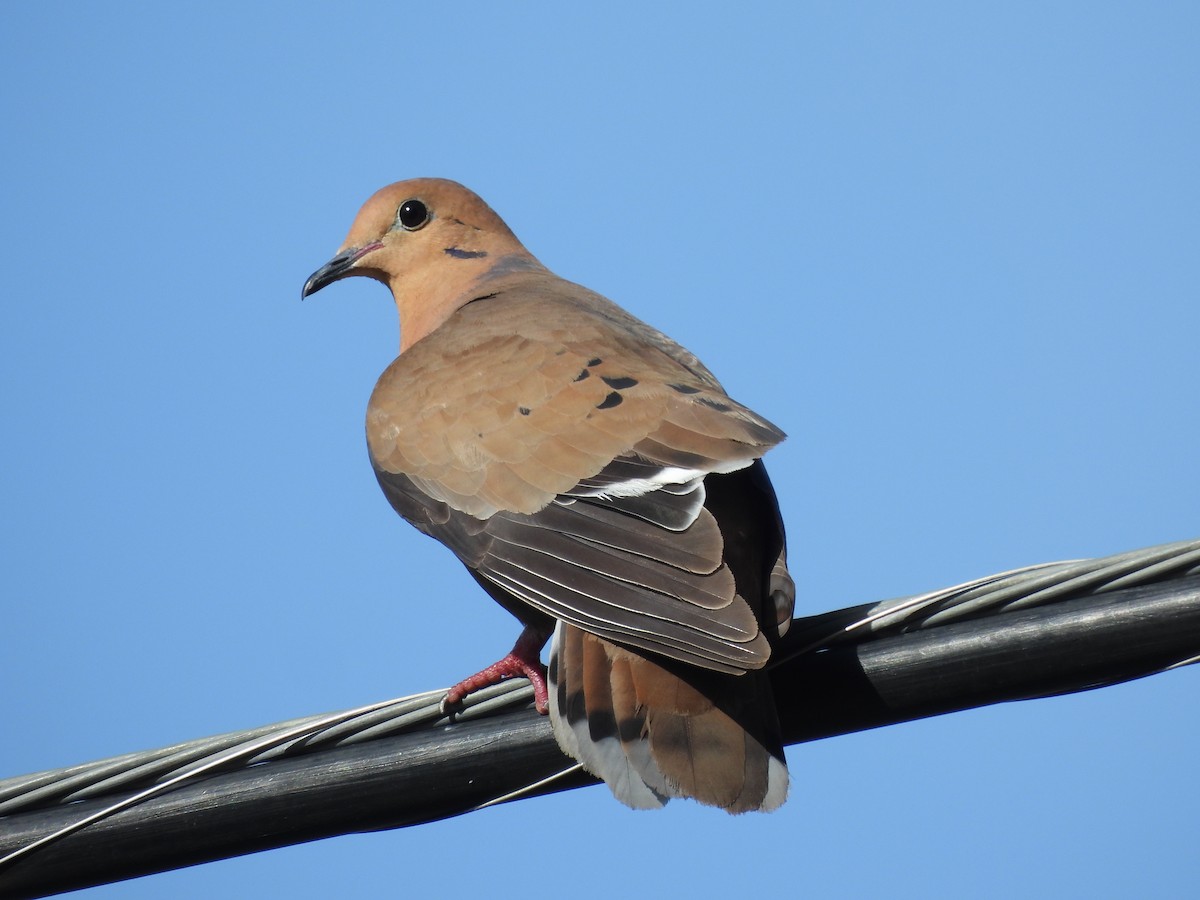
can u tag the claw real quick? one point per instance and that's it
(524, 660)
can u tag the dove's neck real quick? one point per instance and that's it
(426, 299)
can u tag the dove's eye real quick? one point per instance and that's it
(412, 214)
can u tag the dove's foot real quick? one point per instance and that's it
(524, 660)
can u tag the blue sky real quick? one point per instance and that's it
(950, 248)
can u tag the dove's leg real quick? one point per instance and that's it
(524, 659)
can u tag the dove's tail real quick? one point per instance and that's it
(655, 730)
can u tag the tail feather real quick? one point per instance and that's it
(587, 734)
(654, 731)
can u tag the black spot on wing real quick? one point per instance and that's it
(582, 375)
(684, 388)
(714, 404)
(594, 361)
(523, 410)
(456, 253)
(613, 399)
(619, 383)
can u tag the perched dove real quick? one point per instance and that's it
(589, 472)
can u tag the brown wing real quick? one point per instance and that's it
(564, 462)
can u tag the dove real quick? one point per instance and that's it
(598, 483)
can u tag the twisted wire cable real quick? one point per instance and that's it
(1018, 589)
(1003, 600)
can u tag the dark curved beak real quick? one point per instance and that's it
(338, 267)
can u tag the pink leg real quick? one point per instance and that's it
(525, 659)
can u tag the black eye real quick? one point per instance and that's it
(412, 214)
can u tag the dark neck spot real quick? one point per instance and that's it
(464, 254)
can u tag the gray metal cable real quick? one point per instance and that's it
(134, 770)
(1007, 591)
(1024, 588)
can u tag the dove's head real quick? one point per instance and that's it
(432, 242)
